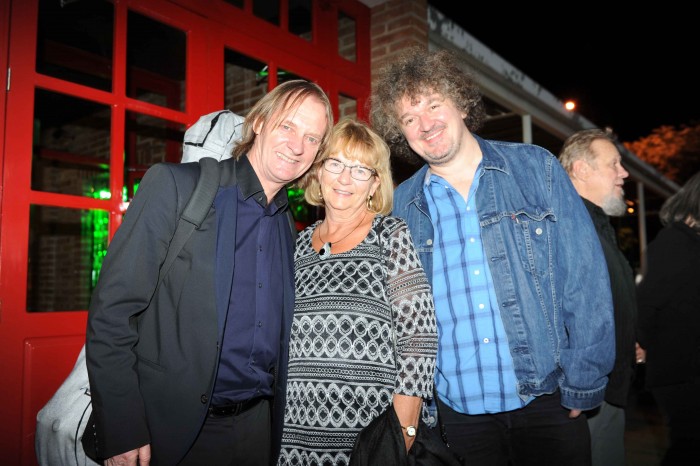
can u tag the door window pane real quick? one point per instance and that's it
(284, 75)
(300, 18)
(269, 10)
(148, 140)
(347, 106)
(74, 41)
(347, 37)
(66, 250)
(156, 62)
(245, 81)
(71, 144)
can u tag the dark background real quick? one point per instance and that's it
(632, 70)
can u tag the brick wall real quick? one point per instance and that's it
(395, 25)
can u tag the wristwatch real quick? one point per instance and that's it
(410, 430)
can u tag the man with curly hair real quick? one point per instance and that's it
(522, 296)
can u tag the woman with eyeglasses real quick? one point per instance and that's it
(364, 335)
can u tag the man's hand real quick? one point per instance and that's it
(640, 354)
(574, 413)
(138, 457)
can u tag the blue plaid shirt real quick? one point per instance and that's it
(475, 370)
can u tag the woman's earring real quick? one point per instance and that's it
(320, 193)
(369, 202)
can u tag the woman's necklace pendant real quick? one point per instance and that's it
(325, 251)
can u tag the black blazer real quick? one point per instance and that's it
(669, 307)
(152, 354)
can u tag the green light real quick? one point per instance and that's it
(299, 207)
(95, 224)
(263, 73)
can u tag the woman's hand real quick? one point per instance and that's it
(408, 411)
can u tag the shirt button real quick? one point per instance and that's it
(429, 242)
(471, 240)
(486, 340)
(481, 306)
(538, 231)
(259, 285)
(477, 272)
(259, 324)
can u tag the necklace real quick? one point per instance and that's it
(325, 251)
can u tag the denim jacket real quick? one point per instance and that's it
(548, 269)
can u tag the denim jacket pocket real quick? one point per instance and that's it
(532, 227)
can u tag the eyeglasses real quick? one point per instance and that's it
(358, 172)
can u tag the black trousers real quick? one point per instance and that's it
(240, 440)
(680, 404)
(539, 434)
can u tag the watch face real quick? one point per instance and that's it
(411, 431)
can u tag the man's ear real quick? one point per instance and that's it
(581, 169)
(257, 126)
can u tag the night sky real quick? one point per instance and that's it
(633, 72)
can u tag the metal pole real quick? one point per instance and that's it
(642, 224)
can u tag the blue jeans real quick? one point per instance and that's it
(539, 434)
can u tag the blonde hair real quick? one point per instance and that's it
(285, 96)
(357, 141)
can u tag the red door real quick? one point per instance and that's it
(97, 92)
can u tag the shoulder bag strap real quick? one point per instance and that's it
(195, 211)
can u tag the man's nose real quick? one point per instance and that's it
(296, 144)
(425, 123)
(623, 173)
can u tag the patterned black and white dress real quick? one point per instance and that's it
(343, 369)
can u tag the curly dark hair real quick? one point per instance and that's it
(416, 72)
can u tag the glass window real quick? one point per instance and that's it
(347, 37)
(237, 3)
(347, 106)
(300, 18)
(66, 250)
(71, 144)
(269, 10)
(245, 81)
(74, 41)
(284, 75)
(148, 140)
(155, 62)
